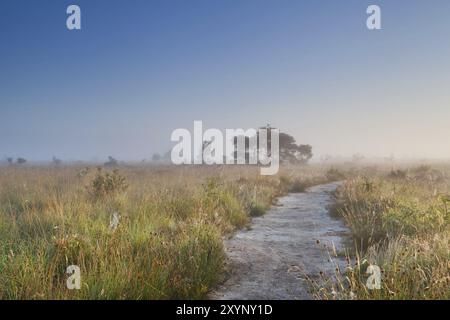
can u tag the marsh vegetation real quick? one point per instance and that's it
(168, 240)
(156, 232)
(400, 221)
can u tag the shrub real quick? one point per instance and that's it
(107, 184)
(397, 174)
(111, 162)
(334, 174)
(298, 186)
(257, 209)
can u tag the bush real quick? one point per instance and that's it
(298, 186)
(334, 174)
(111, 162)
(397, 174)
(107, 184)
(257, 209)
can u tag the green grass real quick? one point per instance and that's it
(400, 221)
(167, 245)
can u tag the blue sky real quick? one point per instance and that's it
(140, 69)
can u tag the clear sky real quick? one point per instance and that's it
(140, 69)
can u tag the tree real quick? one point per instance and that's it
(304, 153)
(167, 156)
(156, 157)
(289, 150)
(56, 161)
(21, 160)
(293, 153)
(111, 162)
(10, 160)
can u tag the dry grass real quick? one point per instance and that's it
(167, 245)
(400, 221)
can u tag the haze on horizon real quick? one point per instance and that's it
(137, 71)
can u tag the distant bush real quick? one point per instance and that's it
(56, 161)
(21, 160)
(397, 174)
(156, 157)
(334, 174)
(107, 184)
(298, 186)
(422, 169)
(111, 162)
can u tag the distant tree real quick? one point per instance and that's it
(21, 160)
(156, 157)
(358, 157)
(167, 156)
(293, 153)
(289, 150)
(10, 160)
(111, 162)
(304, 153)
(56, 161)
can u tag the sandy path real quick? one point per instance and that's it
(269, 261)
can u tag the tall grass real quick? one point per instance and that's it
(400, 221)
(168, 240)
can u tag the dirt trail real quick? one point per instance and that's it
(269, 261)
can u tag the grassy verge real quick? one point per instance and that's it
(166, 245)
(400, 221)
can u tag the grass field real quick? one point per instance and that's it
(167, 244)
(168, 241)
(400, 221)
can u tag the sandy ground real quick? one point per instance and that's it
(294, 239)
